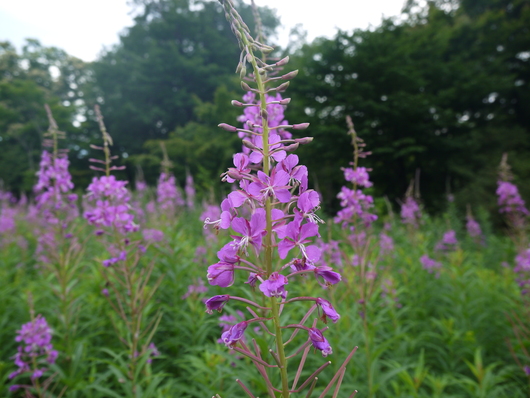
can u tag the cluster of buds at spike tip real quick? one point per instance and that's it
(355, 204)
(54, 198)
(511, 205)
(271, 215)
(108, 198)
(35, 352)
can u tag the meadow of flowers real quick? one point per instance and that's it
(111, 291)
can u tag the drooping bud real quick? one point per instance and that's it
(227, 127)
(242, 72)
(250, 145)
(292, 147)
(285, 101)
(216, 303)
(245, 86)
(290, 75)
(237, 103)
(303, 141)
(300, 126)
(283, 61)
(282, 87)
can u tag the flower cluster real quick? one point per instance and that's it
(509, 199)
(7, 219)
(430, 265)
(36, 348)
(53, 188)
(110, 205)
(448, 242)
(386, 243)
(168, 196)
(355, 204)
(473, 227)
(410, 211)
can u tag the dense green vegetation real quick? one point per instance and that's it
(428, 335)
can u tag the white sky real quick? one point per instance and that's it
(83, 27)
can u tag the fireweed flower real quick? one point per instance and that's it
(271, 210)
(54, 189)
(386, 243)
(430, 265)
(473, 227)
(216, 303)
(36, 349)
(410, 212)
(167, 194)
(234, 334)
(320, 342)
(109, 200)
(222, 273)
(327, 310)
(448, 242)
(510, 200)
(153, 235)
(195, 289)
(274, 286)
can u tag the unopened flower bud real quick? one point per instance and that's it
(300, 126)
(250, 145)
(266, 49)
(242, 72)
(283, 61)
(236, 103)
(303, 141)
(227, 127)
(245, 86)
(264, 114)
(216, 303)
(292, 147)
(285, 101)
(290, 75)
(282, 87)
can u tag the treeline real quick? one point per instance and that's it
(444, 90)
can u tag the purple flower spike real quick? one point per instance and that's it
(473, 227)
(36, 337)
(319, 341)
(327, 274)
(234, 334)
(327, 310)
(274, 286)
(216, 303)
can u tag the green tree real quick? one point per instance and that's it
(176, 50)
(28, 80)
(445, 91)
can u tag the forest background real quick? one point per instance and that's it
(442, 91)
